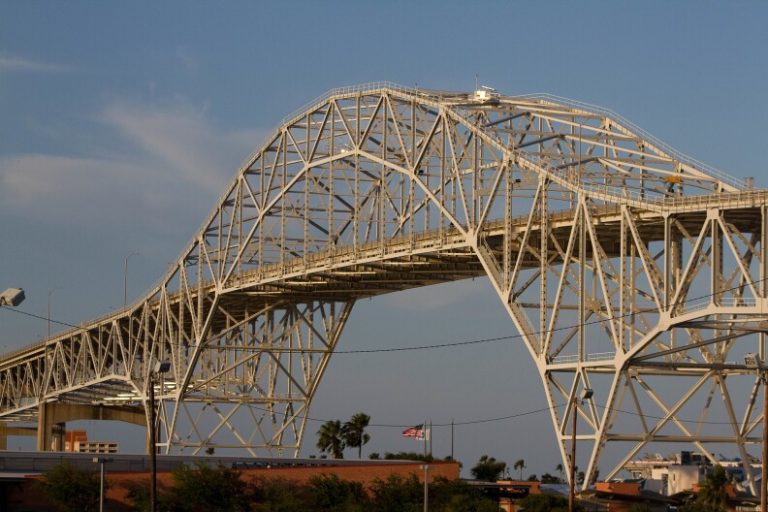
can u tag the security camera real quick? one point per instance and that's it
(12, 297)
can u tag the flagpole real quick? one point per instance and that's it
(452, 439)
(424, 434)
(430, 438)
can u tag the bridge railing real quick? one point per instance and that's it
(625, 123)
(607, 190)
(744, 198)
(724, 302)
(589, 358)
(20, 351)
(371, 86)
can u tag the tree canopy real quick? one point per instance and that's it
(330, 438)
(72, 489)
(520, 464)
(354, 434)
(197, 489)
(488, 468)
(331, 493)
(712, 496)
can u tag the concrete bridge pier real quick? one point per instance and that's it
(6, 431)
(53, 416)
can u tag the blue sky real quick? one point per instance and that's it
(121, 123)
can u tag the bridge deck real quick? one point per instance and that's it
(426, 258)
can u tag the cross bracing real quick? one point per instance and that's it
(625, 267)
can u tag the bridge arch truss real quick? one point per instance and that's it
(624, 266)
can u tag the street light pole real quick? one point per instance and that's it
(125, 277)
(159, 368)
(103, 461)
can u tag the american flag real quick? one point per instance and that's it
(415, 431)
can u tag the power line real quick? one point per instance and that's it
(546, 331)
(429, 347)
(458, 344)
(26, 313)
(672, 419)
(511, 416)
(462, 342)
(500, 418)
(455, 423)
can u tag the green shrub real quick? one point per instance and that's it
(71, 489)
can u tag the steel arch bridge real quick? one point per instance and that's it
(625, 267)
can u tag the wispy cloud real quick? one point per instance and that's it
(171, 165)
(182, 142)
(57, 187)
(19, 64)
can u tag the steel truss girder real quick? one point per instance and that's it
(596, 237)
(254, 380)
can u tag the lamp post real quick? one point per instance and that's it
(125, 277)
(753, 361)
(12, 297)
(50, 292)
(103, 461)
(159, 368)
(586, 394)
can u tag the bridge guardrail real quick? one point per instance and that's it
(753, 197)
(370, 86)
(590, 358)
(625, 123)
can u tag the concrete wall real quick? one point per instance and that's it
(683, 478)
(24, 495)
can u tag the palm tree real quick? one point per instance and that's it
(559, 468)
(330, 439)
(488, 468)
(354, 434)
(713, 494)
(520, 464)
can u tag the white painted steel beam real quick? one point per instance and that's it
(621, 263)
